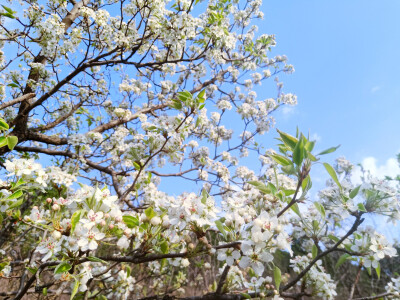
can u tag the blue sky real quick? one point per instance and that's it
(347, 60)
(346, 56)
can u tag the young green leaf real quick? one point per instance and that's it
(130, 221)
(164, 247)
(3, 125)
(354, 192)
(288, 140)
(298, 152)
(341, 260)
(62, 268)
(96, 259)
(361, 207)
(378, 270)
(329, 150)
(320, 208)
(277, 277)
(332, 173)
(280, 159)
(75, 289)
(75, 219)
(12, 141)
(150, 213)
(314, 251)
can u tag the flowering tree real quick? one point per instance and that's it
(104, 101)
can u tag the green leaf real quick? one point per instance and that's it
(295, 208)
(75, 289)
(204, 196)
(361, 207)
(378, 270)
(298, 152)
(260, 186)
(8, 15)
(96, 259)
(150, 213)
(330, 150)
(136, 165)
(245, 295)
(9, 10)
(164, 247)
(32, 270)
(3, 141)
(309, 146)
(220, 227)
(288, 140)
(277, 277)
(314, 251)
(75, 219)
(341, 260)
(306, 184)
(13, 85)
(131, 221)
(15, 195)
(18, 183)
(3, 125)
(176, 104)
(333, 238)
(320, 208)
(62, 268)
(354, 192)
(12, 141)
(16, 204)
(280, 159)
(332, 173)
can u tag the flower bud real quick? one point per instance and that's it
(207, 265)
(111, 226)
(203, 240)
(155, 221)
(103, 223)
(278, 228)
(106, 216)
(118, 219)
(49, 200)
(55, 207)
(127, 231)
(56, 234)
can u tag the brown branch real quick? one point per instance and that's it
(172, 174)
(374, 297)
(17, 100)
(59, 120)
(222, 279)
(357, 223)
(353, 287)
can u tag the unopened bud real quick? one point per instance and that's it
(103, 223)
(49, 200)
(55, 207)
(111, 226)
(155, 221)
(203, 240)
(56, 234)
(106, 216)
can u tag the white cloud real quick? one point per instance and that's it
(315, 137)
(376, 88)
(389, 168)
